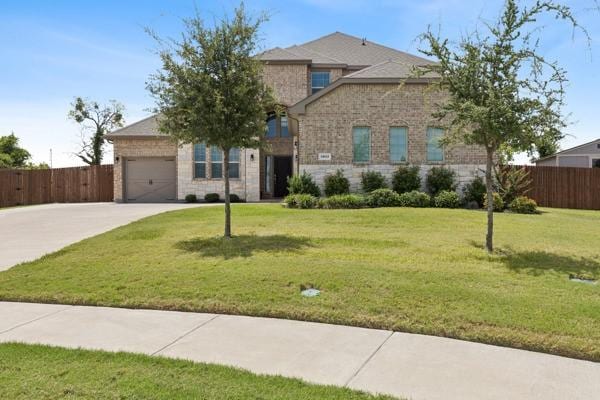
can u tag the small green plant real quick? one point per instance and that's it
(523, 205)
(372, 180)
(414, 199)
(383, 198)
(234, 198)
(498, 202)
(474, 192)
(302, 200)
(336, 184)
(406, 179)
(512, 182)
(446, 199)
(191, 198)
(440, 178)
(303, 184)
(211, 197)
(342, 201)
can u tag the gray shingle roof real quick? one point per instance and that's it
(147, 127)
(340, 48)
(388, 69)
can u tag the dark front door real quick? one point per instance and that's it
(282, 168)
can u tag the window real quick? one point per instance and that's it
(398, 144)
(284, 126)
(595, 162)
(319, 80)
(361, 139)
(199, 160)
(234, 163)
(216, 162)
(271, 126)
(435, 151)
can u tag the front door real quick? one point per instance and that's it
(282, 169)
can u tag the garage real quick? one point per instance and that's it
(150, 180)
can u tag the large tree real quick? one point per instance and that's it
(11, 154)
(96, 120)
(503, 94)
(210, 88)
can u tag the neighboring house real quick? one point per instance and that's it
(351, 104)
(586, 155)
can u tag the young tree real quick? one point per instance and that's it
(503, 94)
(11, 154)
(210, 88)
(98, 120)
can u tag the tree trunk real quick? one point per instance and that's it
(97, 142)
(227, 200)
(489, 183)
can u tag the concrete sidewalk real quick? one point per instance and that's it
(412, 366)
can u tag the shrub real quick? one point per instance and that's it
(440, 178)
(234, 198)
(406, 179)
(372, 180)
(414, 199)
(512, 182)
(447, 199)
(336, 184)
(303, 184)
(342, 201)
(191, 198)
(302, 200)
(523, 205)
(383, 198)
(475, 191)
(498, 202)
(211, 197)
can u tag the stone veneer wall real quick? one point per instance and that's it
(289, 82)
(464, 173)
(247, 187)
(138, 147)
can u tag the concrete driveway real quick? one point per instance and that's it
(27, 233)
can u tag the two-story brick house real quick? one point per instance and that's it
(350, 104)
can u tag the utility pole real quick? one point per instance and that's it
(50, 158)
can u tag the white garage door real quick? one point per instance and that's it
(150, 180)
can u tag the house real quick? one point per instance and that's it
(586, 155)
(350, 104)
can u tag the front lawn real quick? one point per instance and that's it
(40, 372)
(413, 270)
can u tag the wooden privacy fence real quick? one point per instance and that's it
(59, 185)
(565, 187)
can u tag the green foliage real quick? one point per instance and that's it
(191, 198)
(211, 197)
(439, 179)
(523, 205)
(342, 201)
(446, 199)
(11, 155)
(383, 198)
(234, 198)
(336, 184)
(302, 200)
(498, 202)
(372, 180)
(475, 191)
(303, 184)
(406, 179)
(512, 182)
(414, 199)
(97, 120)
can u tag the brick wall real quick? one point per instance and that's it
(139, 147)
(289, 82)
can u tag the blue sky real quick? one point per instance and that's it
(55, 50)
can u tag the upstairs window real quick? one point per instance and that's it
(318, 80)
(271, 126)
(216, 162)
(361, 141)
(284, 126)
(199, 161)
(398, 144)
(234, 163)
(435, 150)
(277, 126)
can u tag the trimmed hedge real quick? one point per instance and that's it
(474, 191)
(372, 180)
(234, 198)
(191, 198)
(302, 200)
(446, 199)
(439, 179)
(523, 205)
(406, 179)
(211, 197)
(303, 184)
(383, 198)
(336, 184)
(415, 199)
(498, 202)
(342, 201)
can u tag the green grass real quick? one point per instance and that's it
(413, 270)
(42, 372)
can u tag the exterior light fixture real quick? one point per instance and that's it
(252, 157)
